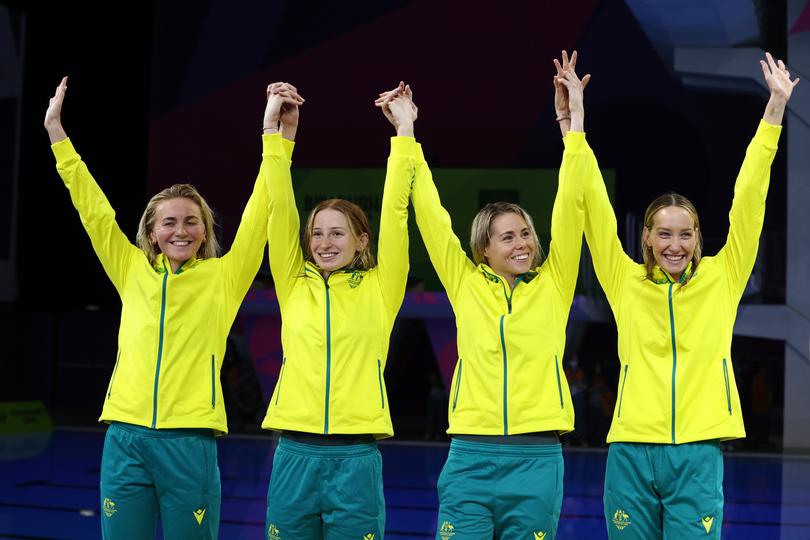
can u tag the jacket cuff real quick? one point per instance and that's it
(273, 145)
(768, 134)
(575, 141)
(63, 150)
(403, 146)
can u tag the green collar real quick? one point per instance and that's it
(661, 276)
(490, 275)
(162, 264)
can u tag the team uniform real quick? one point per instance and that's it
(508, 386)
(164, 400)
(330, 401)
(677, 397)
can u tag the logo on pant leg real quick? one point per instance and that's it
(273, 533)
(621, 519)
(369, 536)
(199, 514)
(539, 536)
(708, 521)
(109, 507)
(447, 530)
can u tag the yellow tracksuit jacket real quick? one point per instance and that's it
(173, 326)
(509, 377)
(676, 383)
(335, 331)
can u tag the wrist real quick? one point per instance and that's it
(405, 129)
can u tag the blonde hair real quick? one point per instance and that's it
(664, 201)
(358, 224)
(209, 247)
(482, 224)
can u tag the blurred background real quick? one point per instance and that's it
(167, 92)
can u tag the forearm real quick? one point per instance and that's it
(56, 132)
(775, 111)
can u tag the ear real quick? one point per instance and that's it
(153, 238)
(645, 236)
(362, 242)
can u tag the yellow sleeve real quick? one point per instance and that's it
(392, 248)
(567, 216)
(283, 224)
(247, 251)
(748, 208)
(98, 218)
(610, 261)
(443, 247)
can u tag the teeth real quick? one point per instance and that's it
(522, 257)
(328, 255)
(180, 244)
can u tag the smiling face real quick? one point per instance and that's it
(511, 249)
(332, 243)
(672, 238)
(178, 230)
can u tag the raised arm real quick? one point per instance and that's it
(444, 248)
(243, 260)
(567, 216)
(283, 224)
(392, 248)
(98, 218)
(751, 188)
(601, 232)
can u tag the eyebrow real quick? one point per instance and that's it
(524, 229)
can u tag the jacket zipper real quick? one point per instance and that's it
(379, 377)
(458, 383)
(213, 384)
(728, 390)
(559, 384)
(280, 378)
(115, 370)
(328, 359)
(505, 358)
(621, 392)
(674, 355)
(160, 346)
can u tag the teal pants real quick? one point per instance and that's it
(325, 492)
(500, 491)
(664, 491)
(170, 472)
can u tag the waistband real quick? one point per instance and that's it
(319, 439)
(162, 433)
(493, 449)
(291, 446)
(524, 439)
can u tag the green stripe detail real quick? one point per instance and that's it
(115, 370)
(621, 392)
(505, 406)
(728, 390)
(160, 347)
(559, 384)
(328, 361)
(379, 376)
(280, 378)
(458, 383)
(213, 384)
(674, 357)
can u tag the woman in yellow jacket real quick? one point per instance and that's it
(179, 299)
(675, 313)
(509, 397)
(337, 311)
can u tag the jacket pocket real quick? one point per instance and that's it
(112, 378)
(280, 378)
(728, 390)
(458, 383)
(621, 390)
(380, 380)
(559, 383)
(213, 382)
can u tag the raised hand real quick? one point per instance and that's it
(777, 77)
(282, 107)
(398, 107)
(53, 116)
(561, 97)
